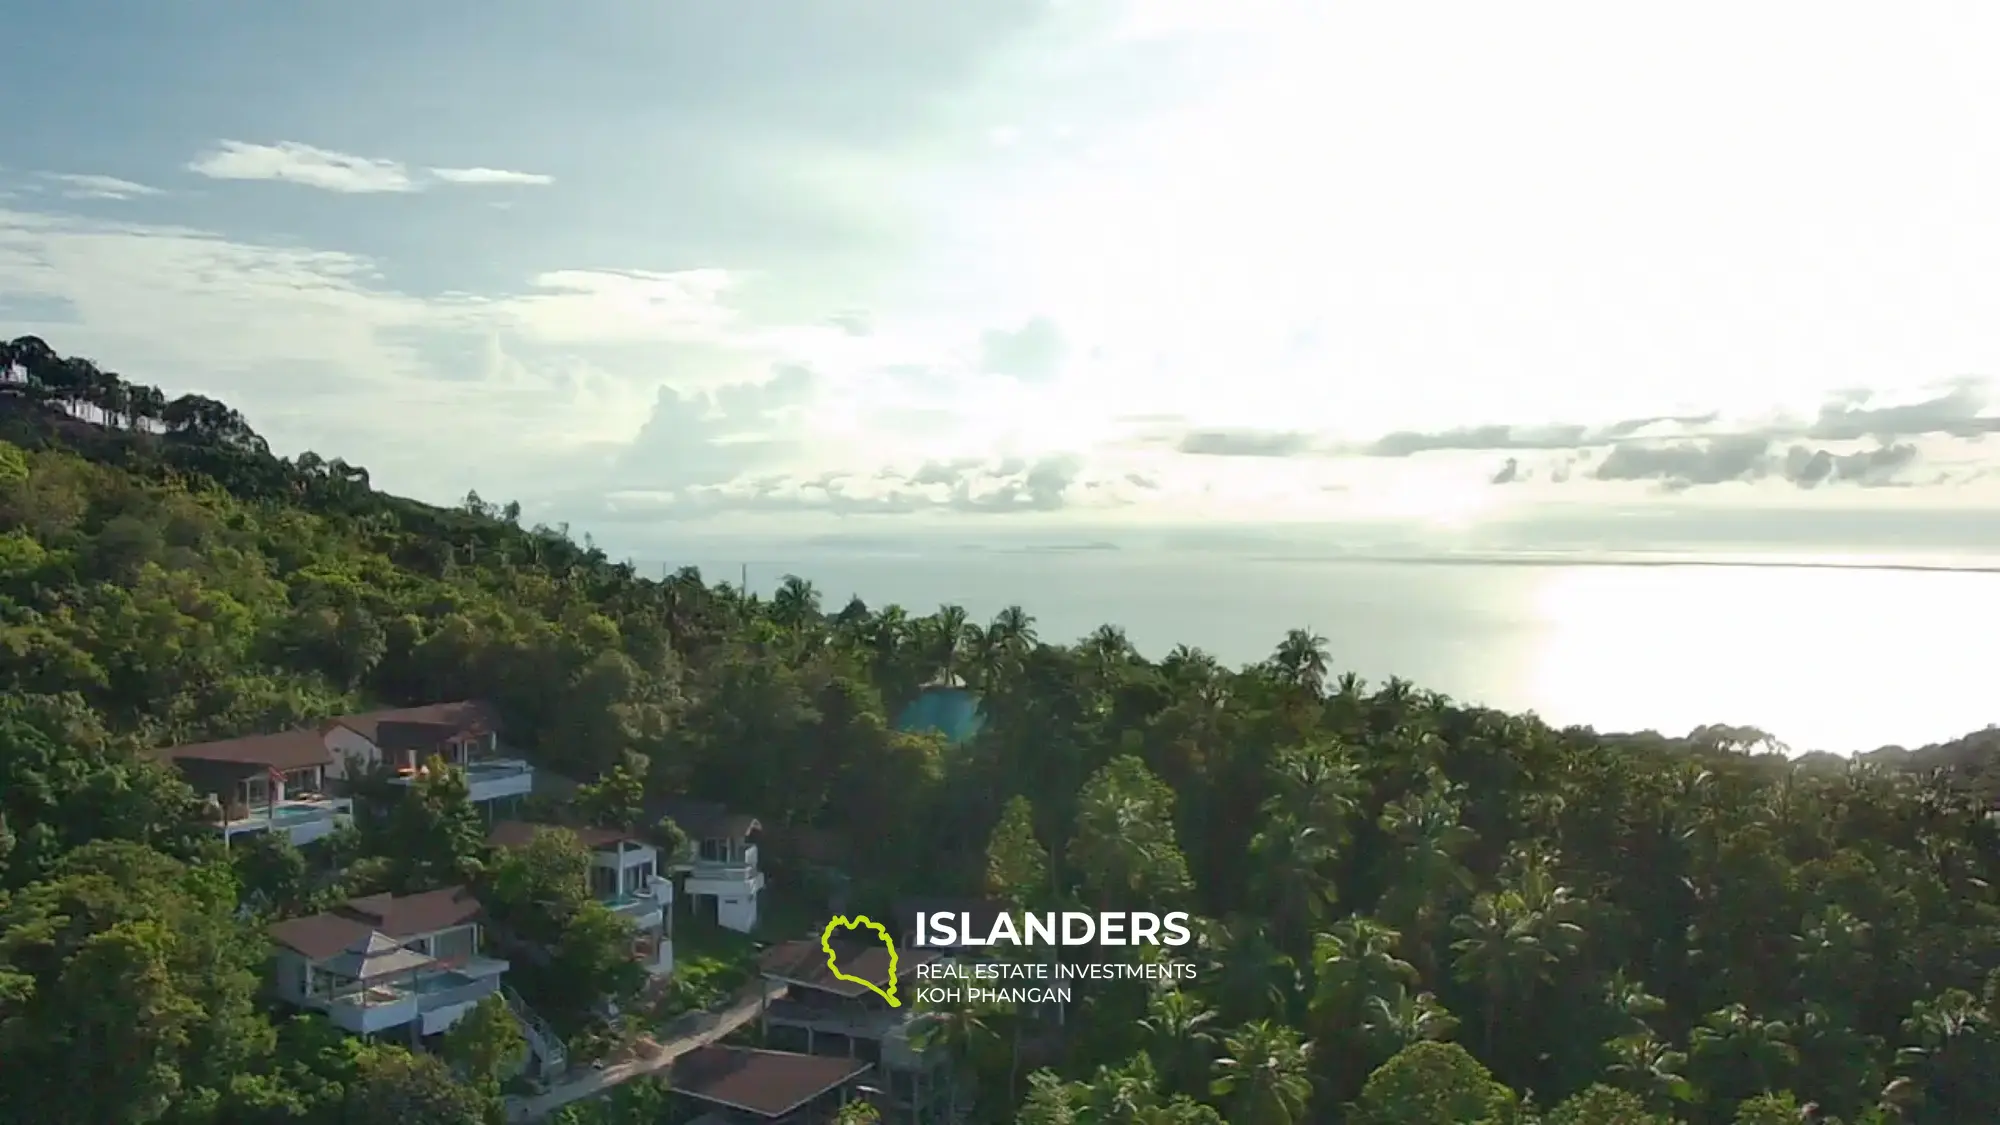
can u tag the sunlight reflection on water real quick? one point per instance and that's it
(1833, 659)
(1822, 658)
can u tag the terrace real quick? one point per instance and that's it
(302, 819)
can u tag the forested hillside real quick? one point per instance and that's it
(1411, 911)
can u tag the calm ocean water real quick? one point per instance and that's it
(1823, 658)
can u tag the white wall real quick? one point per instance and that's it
(290, 983)
(343, 742)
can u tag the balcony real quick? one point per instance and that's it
(646, 911)
(491, 779)
(444, 997)
(438, 999)
(852, 1022)
(735, 876)
(302, 820)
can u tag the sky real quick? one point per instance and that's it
(818, 265)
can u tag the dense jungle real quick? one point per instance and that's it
(1410, 910)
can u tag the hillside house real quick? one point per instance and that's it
(466, 734)
(723, 878)
(825, 1015)
(408, 964)
(265, 783)
(625, 875)
(745, 1086)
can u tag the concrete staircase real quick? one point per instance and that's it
(548, 1060)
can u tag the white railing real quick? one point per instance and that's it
(542, 1039)
(479, 769)
(740, 869)
(289, 814)
(464, 993)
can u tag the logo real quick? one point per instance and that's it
(833, 963)
(947, 930)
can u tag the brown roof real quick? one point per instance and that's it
(766, 1083)
(702, 820)
(409, 915)
(804, 963)
(320, 936)
(286, 750)
(467, 716)
(517, 833)
(376, 955)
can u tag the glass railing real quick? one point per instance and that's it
(738, 867)
(288, 813)
(433, 999)
(496, 768)
(480, 769)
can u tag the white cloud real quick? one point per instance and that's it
(616, 307)
(490, 176)
(88, 186)
(298, 163)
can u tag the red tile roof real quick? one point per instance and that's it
(467, 716)
(286, 750)
(766, 1083)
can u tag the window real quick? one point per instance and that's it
(642, 876)
(454, 945)
(715, 851)
(256, 790)
(603, 882)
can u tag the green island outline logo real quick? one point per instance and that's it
(855, 923)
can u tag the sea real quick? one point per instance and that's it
(1821, 650)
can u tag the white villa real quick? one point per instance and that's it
(285, 781)
(625, 875)
(466, 734)
(385, 963)
(265, 783)
(722, 876)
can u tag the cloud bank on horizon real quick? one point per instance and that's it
(1073, 260)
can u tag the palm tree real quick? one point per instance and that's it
(1317, 785)
(1263, 1075)
(1957, 1045)
(1654, 1070)
(1301, 660)
(1177, 1022)
(1392, 1020)
(945, 641)
(1424, 867)
(1356, 959)
(1736, 1055)
(1106, 647)
(795, 604)
(1253, 977)
(1015, 630)
(1503, 952)
(964, 1032)
(1289, 861)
